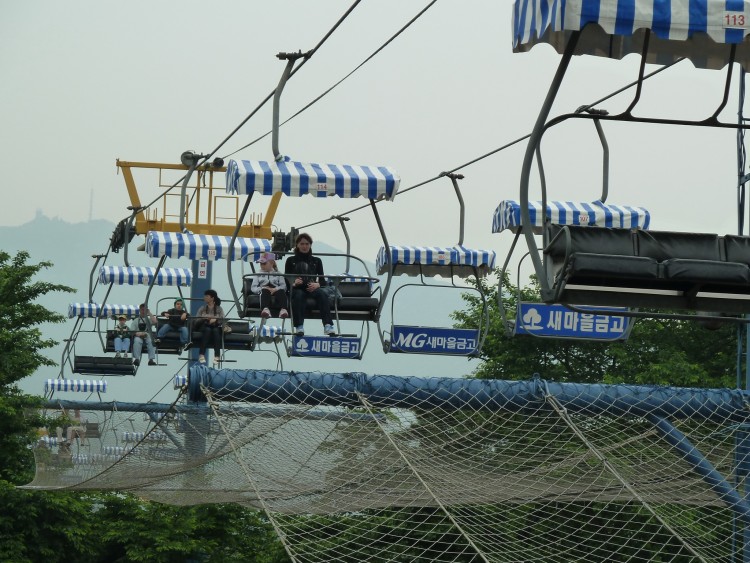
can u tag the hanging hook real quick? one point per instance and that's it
(189, 159)
(290, 59)
(605, 147)
(454, 178)
(341, 219)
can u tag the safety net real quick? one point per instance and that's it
(350, 467)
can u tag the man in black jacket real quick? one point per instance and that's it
(308, 270)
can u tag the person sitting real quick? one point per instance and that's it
(177, 321)
(122, 337)
(271, 286)
(210, 322)
(142, 327)
(310, 278)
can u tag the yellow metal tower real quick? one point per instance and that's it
(208, 209)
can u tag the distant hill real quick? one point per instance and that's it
(70, 248)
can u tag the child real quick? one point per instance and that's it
(122, 337)
(271, 286)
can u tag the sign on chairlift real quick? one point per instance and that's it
(326, 346)
(432, 340)
(558, 321)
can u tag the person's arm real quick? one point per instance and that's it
(290, 267)
(321, 274)
(256, 285)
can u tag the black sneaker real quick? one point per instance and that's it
(136, 362)
(152, 363)
(187, 346)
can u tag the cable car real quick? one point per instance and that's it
(427, 262)
(296, 179)
(618, 267)
(96, 365)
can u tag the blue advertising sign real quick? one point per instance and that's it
(429, 340)
(326, 346)
(557, 321)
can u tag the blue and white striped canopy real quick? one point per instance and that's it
(95, 310)
(133, 275)
(268, 333)
(436, 261)
(508, 215)
(320, 180)
(155, 436)
(83, 385)
(699, 30)
(209, 247)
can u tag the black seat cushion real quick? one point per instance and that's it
(706, 271)
(737, 249)
(665, 245)
(593, 240)
(587, 265)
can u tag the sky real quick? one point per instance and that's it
(87, 82)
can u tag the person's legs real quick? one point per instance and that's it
(299, 300)
(184, 335)
(321, 299)
(205, 335)
(138, 348)
(279, 299)
(126, 346)
(151, 350)
(265, 299)
(216, 332)
(163, 330)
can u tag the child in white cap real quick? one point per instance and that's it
(122, 337)
(271, 287)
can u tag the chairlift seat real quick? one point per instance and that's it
(240, 338)
(103, 365)
(357, 301)
(92, 429)
(660, 269)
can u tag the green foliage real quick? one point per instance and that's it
(664, 352)
(21, 344)
(21, 339)
(135, 530)
(75, 527)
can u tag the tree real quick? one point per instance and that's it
(21, 346)
(659, 351)
(92, 527)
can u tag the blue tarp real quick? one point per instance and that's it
(315, 388)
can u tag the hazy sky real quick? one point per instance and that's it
(87, 82)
